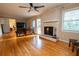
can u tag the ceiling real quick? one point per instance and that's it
(12, 10)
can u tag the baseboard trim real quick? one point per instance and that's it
(64, 40)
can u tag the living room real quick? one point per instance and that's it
(40, 28)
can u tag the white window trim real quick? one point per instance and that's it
(63, 11)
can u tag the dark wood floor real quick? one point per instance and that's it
(32, 45)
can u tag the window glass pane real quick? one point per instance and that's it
(39, 26)
(68, 26)
(71, 20)
(72, 25)
(71, 15)
(76, 26)
(33, 23)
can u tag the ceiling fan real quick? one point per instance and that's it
(32, 7)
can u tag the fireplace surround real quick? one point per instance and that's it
(50, 31)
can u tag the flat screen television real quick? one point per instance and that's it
(20, 25)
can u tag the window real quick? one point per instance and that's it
(71, 20)
(33, 24)
(39, 26)
(36, 26)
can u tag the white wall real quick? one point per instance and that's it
(0, 30)
(12, 23)
(55, 14)
(52, 15)
(5, 23)
(19, 20)
(29, 23)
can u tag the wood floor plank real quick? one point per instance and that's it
(32, 45)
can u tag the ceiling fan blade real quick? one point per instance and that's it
(36, 10)
(23, 7)
(38, 6)
(31, 4)
(29, 9)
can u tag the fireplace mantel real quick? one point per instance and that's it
(50, 21)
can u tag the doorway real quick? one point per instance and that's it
(2, 28)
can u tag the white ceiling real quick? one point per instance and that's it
(12, 9)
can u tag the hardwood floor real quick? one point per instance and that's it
(32, 45)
